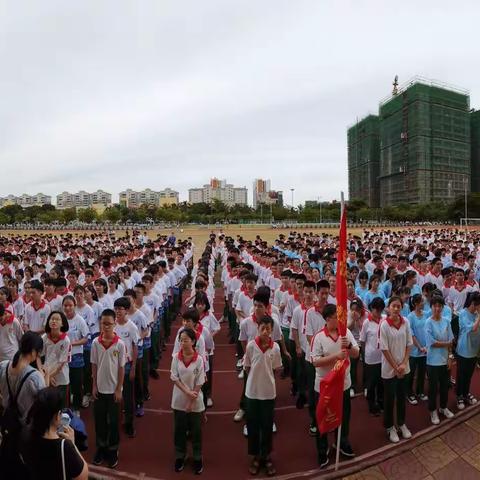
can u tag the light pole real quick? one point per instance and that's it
(292, 190)
(320, 207)
(465, 184)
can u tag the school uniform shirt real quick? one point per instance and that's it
(370, 336)
(417, 325)
(244, 303)
(36, 318)
(457, 297)
(90, 318)
(108, 359)
(141, 322)
(200, 346)
(437, 280)
(324, 345)
(249, 329)
(262, 364)
(437, 331)
(106, 302)
(55, 302)
(153, 302)
(10, 336)
(299, 323)
(395, 340)
(191, 374)
(315, 322)
(18, 306)
(128, 333)
(77, 329)
(55, 352)
(209, 321)
(369, 296)
(468, 344)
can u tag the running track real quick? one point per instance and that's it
(150, 455)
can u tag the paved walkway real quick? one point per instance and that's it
(453, 455)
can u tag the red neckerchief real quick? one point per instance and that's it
(434, 274)
(10, 319)
(24, 298)
(447, 284)
(460, 289)
(390, 322)
(285, 289)
(64, 292)
(42, 304)
(248, 295)
(199, 330)
(259, 344)
(102, 341)
(189, 362)
(472, 283)
(49, 299)
(61, 337)
(327, 334)
(371, 319)
(296, 297)
(203, 315)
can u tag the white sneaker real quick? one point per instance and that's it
(240, 363)
(446, 413)
(245, 431)
(471, 400)
(352, 393)
(239, 415)
(209, 402)
(393, 435)
(405, 431)
(365, 392)
(423, 397)
(434, 417)
(274, 428)
(85, 401)
(241, 374)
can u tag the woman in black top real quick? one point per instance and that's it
(46, 438)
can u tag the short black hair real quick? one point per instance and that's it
(63, 328)
(329, 310)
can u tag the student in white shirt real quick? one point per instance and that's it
(370, 341)
(208, 320)
(395, 343)
(37, 311)
(262, 358)
(128, 332)
(188, 375)
(326, 349)
(10, 334)
(108, 357)
(78, 333)
(57, 350)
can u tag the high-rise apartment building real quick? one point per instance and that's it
(475, 131)
(219, 190)
(424, 147)
(263, 195)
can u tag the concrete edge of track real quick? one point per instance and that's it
(347, 468)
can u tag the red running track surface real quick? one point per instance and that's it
(151, 455)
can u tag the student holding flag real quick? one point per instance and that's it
(330, 350)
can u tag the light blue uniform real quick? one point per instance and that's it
(417, 325)
(437, 331)
(468, 341)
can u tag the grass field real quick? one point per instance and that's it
(200, 234)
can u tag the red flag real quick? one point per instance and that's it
(330, 403)
(342, 276)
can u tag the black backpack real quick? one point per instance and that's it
(10, 424)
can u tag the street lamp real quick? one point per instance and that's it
(465, 184)
(320, 207)
(292, 190)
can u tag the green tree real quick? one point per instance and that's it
(87, 215)
(69, 215)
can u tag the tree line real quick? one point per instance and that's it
(217, 211)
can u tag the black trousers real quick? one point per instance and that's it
(438, 380)
(394, 393)
(374, 384)
(322, 440)
(465, 369)
(259, 424)
(294, 363)
(418, 365)
(184, 423)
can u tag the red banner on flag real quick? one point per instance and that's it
(342, 276)
(330, 403)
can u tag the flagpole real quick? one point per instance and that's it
(339, 430)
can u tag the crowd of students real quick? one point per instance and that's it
(103, 309)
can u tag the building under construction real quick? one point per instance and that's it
(424, 148)
(475, 130)
(364, 160)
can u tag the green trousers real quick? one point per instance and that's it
(106, 415)
(187, 422)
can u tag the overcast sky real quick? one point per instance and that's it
(168, 93)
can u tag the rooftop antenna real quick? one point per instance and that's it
(395, 85)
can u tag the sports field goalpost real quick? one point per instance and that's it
(470, 222)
